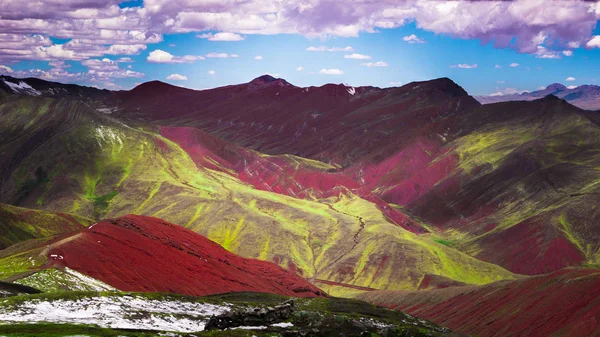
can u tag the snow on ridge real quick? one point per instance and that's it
(117, 312)
(351, 90)
(22, 88)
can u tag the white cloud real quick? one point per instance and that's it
(375, 64)
(177, 77)
(105, 69)
(5, 69)
(464, 66)
(497, 66)
(500, 82)
(594, 42)
(323, 48)
(496, 94)
(570, 79)
(125, 49)
(331, 72)
(572, 86)
(529, 26)
(161, 56)
(514, 65)
(567, 52)
(211, 72)
(223, 36)
(300, 68)
(545, 53)
(412, 38)
(258, 57)
(357, 56)
(395, 83)
(220, 55)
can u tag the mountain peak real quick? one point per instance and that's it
(556, 87)
(268, 80)
(445, 85)
(550, 97)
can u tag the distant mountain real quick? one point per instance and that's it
(584, 96)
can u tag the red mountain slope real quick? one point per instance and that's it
(139, 253)
(563, 303)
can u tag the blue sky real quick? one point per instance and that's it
(439, 47)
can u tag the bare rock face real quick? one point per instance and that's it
(252, 317)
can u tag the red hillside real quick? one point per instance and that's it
(139, 253)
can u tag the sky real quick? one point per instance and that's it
(487, 47)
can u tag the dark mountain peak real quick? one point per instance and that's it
(264, 79)
(554, 87)
(446, 85)
(550, 97)
(267, 81)
(156, 87)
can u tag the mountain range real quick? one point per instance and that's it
(584, 96)
(264, 186)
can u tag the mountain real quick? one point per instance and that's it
(584, 96)
(353, 189)
(562, 303)
(66, 156)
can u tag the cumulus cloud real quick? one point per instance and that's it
(104, 69)
(211, 72)
(258, 57)
(357, 56)
(323, 48)
(412, 38)
(594, 42)
(524, 25)
(95, 28)
(375, 64)
(571, 87)
(545, 53)
(223, 36)
(161, 56)
(125, 49)
(464, 66)
(567, 52)
(570, 79)
(300, 68)
(177, 77)
(497, 66)
(514, 65)
(331, 72)
(5, 69)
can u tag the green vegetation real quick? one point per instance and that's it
(449, 243)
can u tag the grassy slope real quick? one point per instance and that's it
(525, 192)
(331, 315)
(19, 224)
(111, 170)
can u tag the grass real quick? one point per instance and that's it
(331, 316)
(449, 243)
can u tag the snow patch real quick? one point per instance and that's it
(90, 282)
(351, 91)
(106, 134)
(283, 325)
(116, 312)
(22, 88)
